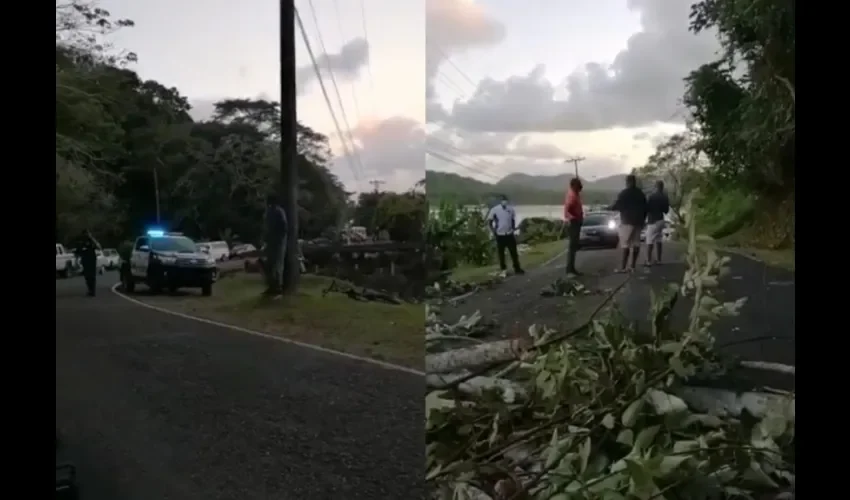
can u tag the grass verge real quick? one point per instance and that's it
(782, 258)
(391, 333)
(535, 256)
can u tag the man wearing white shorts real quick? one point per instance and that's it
(631, 203)
(657, 206)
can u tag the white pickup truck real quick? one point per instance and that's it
(65, 262)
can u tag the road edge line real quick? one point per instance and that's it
(248, 331)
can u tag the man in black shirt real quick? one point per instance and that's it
(275, 250)
(86, 251)
(631, 203)
(658, 205)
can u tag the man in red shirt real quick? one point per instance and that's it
(573, 216)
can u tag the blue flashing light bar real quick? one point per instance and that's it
(156, 233)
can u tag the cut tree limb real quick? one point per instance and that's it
(477, 385)
(469, 357)
(721, 402)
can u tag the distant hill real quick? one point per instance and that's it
(546, 182)
(521, 189)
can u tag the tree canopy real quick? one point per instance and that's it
(128, 153)
(743, 104)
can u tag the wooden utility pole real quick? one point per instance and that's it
(377, 184)
(288, 131)
(575, 161)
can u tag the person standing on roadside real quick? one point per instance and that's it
(657, 206)
(276, 227)
(631, 203)
(86, 250)
(573, 216)
(502, 222)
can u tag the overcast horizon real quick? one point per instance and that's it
(502, 86)
(517, 89)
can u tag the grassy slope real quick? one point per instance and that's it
(388, 332)
(537, 255)
(760, 229)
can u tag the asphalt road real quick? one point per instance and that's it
(764, 330)
(156, 407)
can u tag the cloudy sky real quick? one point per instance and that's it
(519, 86)
(214, 49)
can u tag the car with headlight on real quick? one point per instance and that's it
(163, 260)
(599, 229)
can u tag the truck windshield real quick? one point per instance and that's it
(173, 244)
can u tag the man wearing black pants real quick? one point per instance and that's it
(502, 221)
(573, 216)
(87, 248)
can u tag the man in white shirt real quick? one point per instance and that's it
(502, 221)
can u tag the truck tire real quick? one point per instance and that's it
(65, 273)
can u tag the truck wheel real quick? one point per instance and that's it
(65, 273)
(206, 290)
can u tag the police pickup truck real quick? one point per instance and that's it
(169, 261)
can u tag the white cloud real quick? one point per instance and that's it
(643, 85)
(454, 27)
(390, 150)
(345, 65)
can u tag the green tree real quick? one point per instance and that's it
(744, 103)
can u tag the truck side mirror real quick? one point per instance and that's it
(144, 248)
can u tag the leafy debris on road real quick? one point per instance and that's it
(563, 287)
(449, 289)
(363, 294)
(438, 333)
(601, 413)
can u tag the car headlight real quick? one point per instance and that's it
(612, 224)
(210, 261)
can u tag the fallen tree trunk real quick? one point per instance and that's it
(713, 401)
(721, 402)
(471, 357)
(476, 386)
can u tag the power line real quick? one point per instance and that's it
(333, 82)
(354, 82)
(443, 156)
(480, 166)
(345, 149)
(448, 59)
(369, 55)
(376, 184)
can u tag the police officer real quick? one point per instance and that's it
(276, 227)
(87, 248)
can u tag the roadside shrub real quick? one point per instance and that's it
(466, 238)
(541, 230)
(725, 211)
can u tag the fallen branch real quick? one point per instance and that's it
(728, 403)
(363, 295)
(768, 367)
(470, 357)
(477, 386)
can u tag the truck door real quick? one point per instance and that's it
(140, 257)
